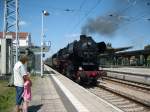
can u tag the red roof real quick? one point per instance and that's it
(21, 35)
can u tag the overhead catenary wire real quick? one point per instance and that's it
(138, 17)
(131, 19)
(79, 9)
(82, 4)
(86, 15)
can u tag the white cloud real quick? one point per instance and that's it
(22, 23)
(71, 37)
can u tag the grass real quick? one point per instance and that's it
(7, 97)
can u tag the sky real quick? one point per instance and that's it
(119, 22)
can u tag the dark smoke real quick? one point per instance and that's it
(125, 11)
(104, 25)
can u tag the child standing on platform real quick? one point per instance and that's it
(27, 93)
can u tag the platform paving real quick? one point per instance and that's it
(85, 99)
(45, 97)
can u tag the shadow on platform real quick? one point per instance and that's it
(34, 108)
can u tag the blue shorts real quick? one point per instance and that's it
(19, 92)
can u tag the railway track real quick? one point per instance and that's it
(133, 85)
(122, 101)
(119, 101)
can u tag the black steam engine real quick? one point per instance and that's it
(78, 60)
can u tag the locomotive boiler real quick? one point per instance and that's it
(79, 60)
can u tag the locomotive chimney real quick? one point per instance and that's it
(82, 37)
(89, 37)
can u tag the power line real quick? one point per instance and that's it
(82, 4)
(122, 11)
(131, 20)
(86, 15)
(127, 8)
(137, 18)
(80, 8)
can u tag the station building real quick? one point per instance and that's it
(24, 38)
(25, 47)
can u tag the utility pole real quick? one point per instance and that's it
(17, 28)
(11, 24)
(11, 21)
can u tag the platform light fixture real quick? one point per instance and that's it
(44, 13)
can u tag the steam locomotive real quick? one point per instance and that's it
(79, 60)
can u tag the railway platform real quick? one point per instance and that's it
(56, 93)
(138, 75)
(45, 98)
(130, 70)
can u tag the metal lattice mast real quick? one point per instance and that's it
(11, 20)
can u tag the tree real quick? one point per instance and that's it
(147, 47)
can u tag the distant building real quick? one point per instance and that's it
(7, 51)
(24, 38)
(25, 43)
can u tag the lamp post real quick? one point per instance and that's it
(44, 13)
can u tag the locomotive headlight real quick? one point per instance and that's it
(100, 68)
(80, 68)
